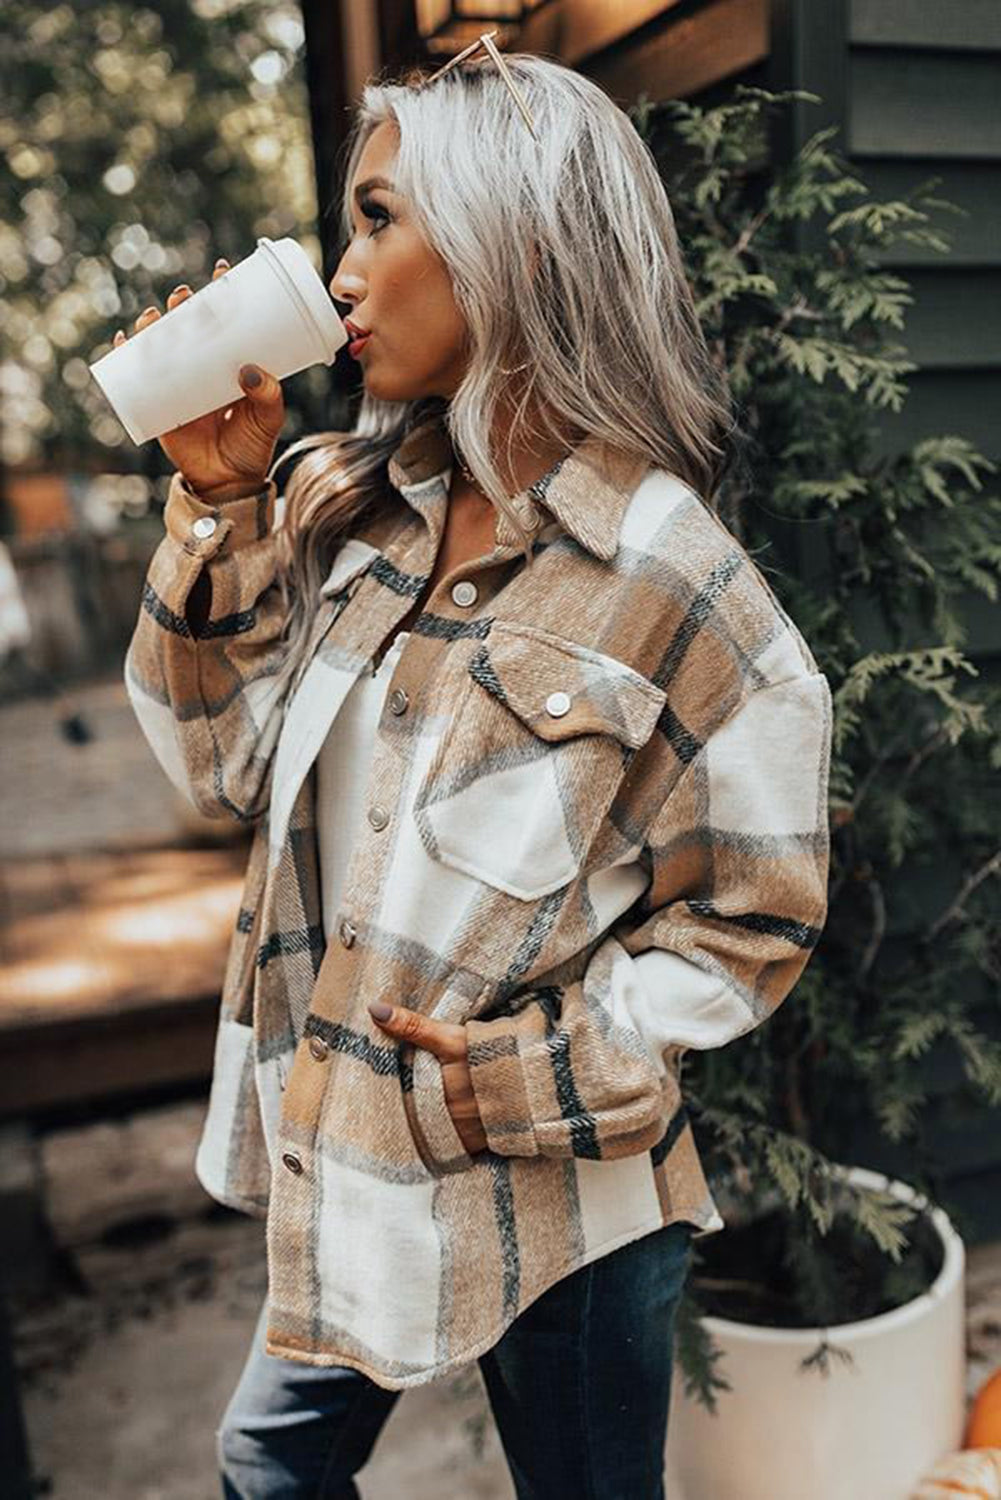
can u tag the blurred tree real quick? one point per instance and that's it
(140, 144)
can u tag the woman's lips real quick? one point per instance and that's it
(357, 345)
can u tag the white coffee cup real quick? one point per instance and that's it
(271, 309)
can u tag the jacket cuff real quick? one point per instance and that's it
(441, 1142)
(501, 1087)
(202, 528)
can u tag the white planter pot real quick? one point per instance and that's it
(865, 1431)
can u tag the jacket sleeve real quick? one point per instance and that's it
(736, 902)
(210, 704)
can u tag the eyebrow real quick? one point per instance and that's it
(373, 182)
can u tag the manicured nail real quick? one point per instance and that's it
(222, 261)
(380, 1010)
(250, 376)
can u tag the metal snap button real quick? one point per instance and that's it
(318, 1048)
(204, 527)
(378, 817)
(348, 932)
(292, 1162)
(464, 592)
(558, 704)
(398, 701)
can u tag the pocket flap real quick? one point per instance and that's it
(559, 688)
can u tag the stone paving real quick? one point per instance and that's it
(122, 1389)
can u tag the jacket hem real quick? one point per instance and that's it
(252, 1206)
(257, 1208)
(427, 1374)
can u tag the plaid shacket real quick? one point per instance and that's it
(596, 836)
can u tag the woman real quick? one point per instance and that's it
(537, 766)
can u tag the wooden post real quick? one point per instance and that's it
(329, 113)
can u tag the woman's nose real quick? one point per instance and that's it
(345, 287)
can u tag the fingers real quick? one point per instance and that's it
(446, 1039)
(149, 315)
(262, 387)
(178, 295)
(146, 317)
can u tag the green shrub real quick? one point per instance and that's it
(875, 553)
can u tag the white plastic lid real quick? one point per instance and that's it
(308, 293)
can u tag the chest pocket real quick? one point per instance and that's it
(537, 740)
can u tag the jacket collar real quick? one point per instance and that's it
(587, 491)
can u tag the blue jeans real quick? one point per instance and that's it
(579, 1386)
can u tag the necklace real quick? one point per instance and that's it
(458, 458)
(528, 511)
(466, 472)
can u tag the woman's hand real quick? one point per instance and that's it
(229, 449)
(448, 1043)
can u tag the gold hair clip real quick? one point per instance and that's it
(487, 42)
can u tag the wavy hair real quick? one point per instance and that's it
(564, 261)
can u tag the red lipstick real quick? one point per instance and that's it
(358, 337)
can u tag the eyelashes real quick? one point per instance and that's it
(375, 211)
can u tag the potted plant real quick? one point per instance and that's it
(819, 1345)
(861, 1404)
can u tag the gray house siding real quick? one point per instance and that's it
(915, 89)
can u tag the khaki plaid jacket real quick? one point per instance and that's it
(597, 836)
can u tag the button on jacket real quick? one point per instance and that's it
(596, 837)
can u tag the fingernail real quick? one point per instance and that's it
(380, 1010)
(222, 261)
(250, 376)
(183, 287)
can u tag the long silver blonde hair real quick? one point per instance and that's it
(565, 264)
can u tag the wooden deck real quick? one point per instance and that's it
(110, 970)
